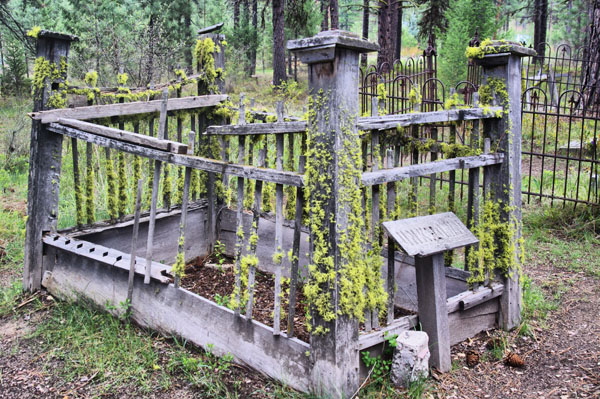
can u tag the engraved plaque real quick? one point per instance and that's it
(429, 235)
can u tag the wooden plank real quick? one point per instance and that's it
(367, 123)
(155, 185)
(44, 170)
(414, 182)
(258, 128)
(184, 206)
(372, 315)
(123, 135)
(240, 213)
(433, 316)
(368, 340)
(180, 313)
(127, 109)
(432, 177)
(118, 235)
(278, 225)
(391, 262)
(425, 169)
(505, 180)
(468, 323)
(255, 223)
(195, 162)
(421, 118)
(107, 256)
(427, 235)
(134, 239)
(473, 192)
(296, 252)
(77, 182)
(469, 299)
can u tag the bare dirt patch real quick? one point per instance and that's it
(562, 355)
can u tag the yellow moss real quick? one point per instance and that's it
(122, 176)
(178, 268)
(111, 193)
(358, 276)
(487, 46)
(34, 32)
(89, 195)
(205, 61)
(497, 246)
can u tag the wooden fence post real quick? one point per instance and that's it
(333, 74)
(502, 81)
(45, 153)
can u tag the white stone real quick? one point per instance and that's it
(410, 361)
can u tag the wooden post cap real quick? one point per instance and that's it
(46, 34)
(494, 52)
(321, 47)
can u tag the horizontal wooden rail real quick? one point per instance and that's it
(371, 339)
(206, 164)
(125, 109)
(426, 169)
(419, 118)
(367, 123)
(468, 299)
(258, 128)
(106, 255)
(263, 115)
(123, 135)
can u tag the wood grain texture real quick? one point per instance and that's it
(45, 161)
(195, 162)
(258, 128)
(180, 313)
(127, 109)
(433, 316)
(123, 135)
(426, 169)
(421, 118)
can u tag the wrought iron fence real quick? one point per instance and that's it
(560, 152)
(401, 81)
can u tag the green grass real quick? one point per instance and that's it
(565, 239)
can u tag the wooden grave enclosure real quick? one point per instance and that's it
(256, 189)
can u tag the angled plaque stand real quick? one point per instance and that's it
(426, 238)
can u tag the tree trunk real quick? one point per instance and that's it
(365, 31)
(187, 51)
(399, 33)
(591, 77)
(334, 14)
(254, 37)
(386, 32)
(540, 20)
(278, 42)
(236, 13)
(325, 13)
(150, 62)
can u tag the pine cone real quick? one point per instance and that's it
(514, 360)
(472, 359)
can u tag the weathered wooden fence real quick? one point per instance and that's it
(296, 203)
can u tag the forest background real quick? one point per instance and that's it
(149, 39)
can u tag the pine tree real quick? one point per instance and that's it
(464, 18)
(433, 18)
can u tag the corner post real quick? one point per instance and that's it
(333, 74)
(501, 62)
(45, 153)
